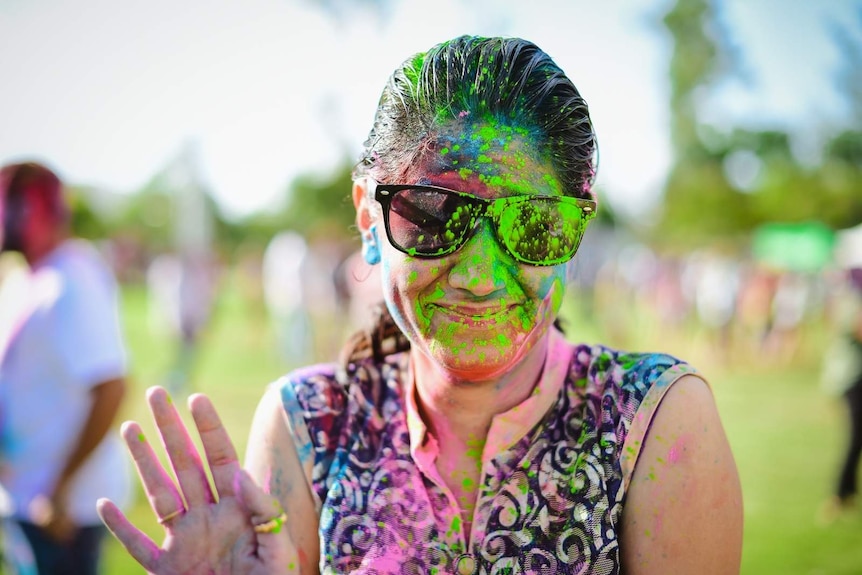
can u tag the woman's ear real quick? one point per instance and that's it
(362, 204)
(365, 222)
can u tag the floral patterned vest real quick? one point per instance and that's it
(554, 471)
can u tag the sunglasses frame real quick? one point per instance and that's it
(384, 193)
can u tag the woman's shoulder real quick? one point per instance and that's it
(329, 386)
(604, 370)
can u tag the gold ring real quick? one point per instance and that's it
(171, 515)
(271, 526)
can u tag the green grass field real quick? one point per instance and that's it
(786, 433)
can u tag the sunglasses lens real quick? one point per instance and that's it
(426, 222)
(541, 231)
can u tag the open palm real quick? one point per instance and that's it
(207, 531)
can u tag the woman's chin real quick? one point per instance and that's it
(477, 362)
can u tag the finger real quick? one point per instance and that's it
(181, 449)
(260, 505)
(275, 546)
(219, 449)
(161, 492)
(133, 539)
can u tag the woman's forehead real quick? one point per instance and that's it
(473, 140)
(495, 154)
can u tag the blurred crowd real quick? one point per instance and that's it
(740, 307)
(635, 293)
(314, 291)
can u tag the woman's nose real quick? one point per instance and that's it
(480, 265)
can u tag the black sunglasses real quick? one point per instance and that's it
(431, 222)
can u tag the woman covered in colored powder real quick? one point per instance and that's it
(463, 433)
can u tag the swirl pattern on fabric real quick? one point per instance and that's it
(551, 503)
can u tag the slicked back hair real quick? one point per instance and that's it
(500, 81)
(506, 81)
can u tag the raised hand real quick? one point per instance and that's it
(236, 530)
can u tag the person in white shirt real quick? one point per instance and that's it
(62, 379)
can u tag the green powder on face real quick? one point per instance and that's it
(503, 341)
(423, 319)
(437, 294)
(554, 184)
(444, 151)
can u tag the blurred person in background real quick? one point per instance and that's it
(182, 290)
(842, 375)
(462, 433)
(62, 370)
(285, 274)
(183, 284)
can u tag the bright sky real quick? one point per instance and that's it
(108, 92)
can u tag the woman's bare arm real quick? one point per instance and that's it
(683, 510)
(272, 460)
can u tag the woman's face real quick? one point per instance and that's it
(476, 312)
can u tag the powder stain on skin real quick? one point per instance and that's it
(677, 450)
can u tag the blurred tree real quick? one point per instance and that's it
(317, 204)
(86, 222)
(848, 37)
(606, 214)
(175, 210)
(699, 201)
(726, 184)
(842, 168)
(147, 218)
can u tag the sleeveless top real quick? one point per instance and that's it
(555, 468)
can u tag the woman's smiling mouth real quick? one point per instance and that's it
(475, 315)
